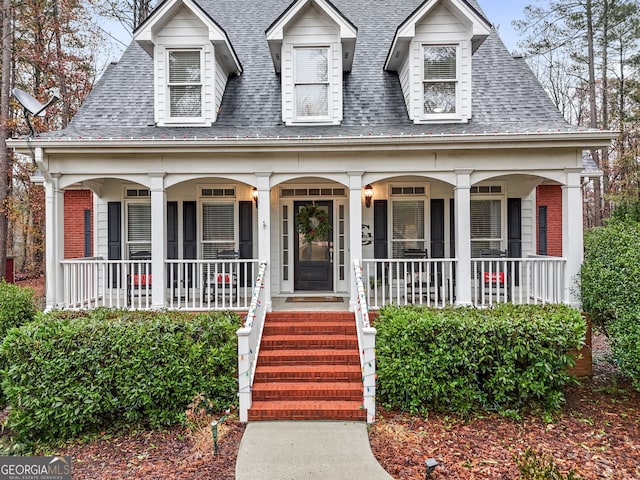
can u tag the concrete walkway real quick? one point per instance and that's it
(300, 450)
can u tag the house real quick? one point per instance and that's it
(243, 151)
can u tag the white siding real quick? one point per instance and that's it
(312, 27)
(439, 27)
(405, 82)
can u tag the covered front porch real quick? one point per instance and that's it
(196, 244)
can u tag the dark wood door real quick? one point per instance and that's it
(313, 261)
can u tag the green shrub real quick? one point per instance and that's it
(460, 359)
(625, 343)
(533, 467)
(70, 375)
(610, 271)
(17, 306)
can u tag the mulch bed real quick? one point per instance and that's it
(177, 453)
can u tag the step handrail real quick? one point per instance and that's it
(249, 337)
(366, 345)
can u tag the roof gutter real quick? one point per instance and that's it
(579, 139)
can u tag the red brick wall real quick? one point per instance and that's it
(75, 203)
(551, 196)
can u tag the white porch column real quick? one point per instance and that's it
(158, 239)
(264, 230)
(54, 241)
(462, 194)
(572, 240)
(355, 233)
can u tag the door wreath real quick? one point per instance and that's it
(313, 223)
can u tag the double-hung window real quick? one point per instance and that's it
(486, 224)
(218, 228)
(408, 226)
(138, 228)
(440, 79)
(311, 78)
(185, 84)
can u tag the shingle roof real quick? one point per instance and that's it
(506, 95)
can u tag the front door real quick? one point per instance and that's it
(313, 261)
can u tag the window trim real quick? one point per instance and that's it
(126, 242)
(212, 201)
(502, 197)
(316, 118)
(457, 115)
(168, 84)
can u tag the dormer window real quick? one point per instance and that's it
(312, 45)
(312, 83)
(185, 84)
(193, 59)
(432, 52)
(440, 79)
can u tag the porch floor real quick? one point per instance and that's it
(280, 304)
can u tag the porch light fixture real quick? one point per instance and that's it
(431, 465)
(368, 195)
(254, 195)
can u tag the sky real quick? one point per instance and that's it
(499, 12)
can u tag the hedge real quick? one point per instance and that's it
(625, 342)
(70, 375)
(610, 271)
(461, 359)
(17, 306)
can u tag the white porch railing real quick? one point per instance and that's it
(429, 282)
(432, 282)
(249, 338)
(366, 345)
(533, 279)
(189, 284)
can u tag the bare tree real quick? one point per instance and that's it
(5, 156)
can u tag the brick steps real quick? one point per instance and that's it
(308, 368)
(345, 391)
(307, 410)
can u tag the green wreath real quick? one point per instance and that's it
(313, 223)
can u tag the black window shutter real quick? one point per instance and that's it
(437, 228)
(380, 233)
(114, 238)
(87, 232)
(245, 236)
(452, 228)
(114, 230)
(189, 240)
(172, 230)
(514, 227)
(514, 232)
(245, 233)
(542, 230)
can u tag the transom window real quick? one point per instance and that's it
(440, 79)
(311, 82)
(185, 83)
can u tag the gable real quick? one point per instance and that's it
(311, 16)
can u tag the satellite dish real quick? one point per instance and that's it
(32, 106)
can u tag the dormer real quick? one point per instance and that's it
(192, 58)
(311, 45)
(432, 53)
